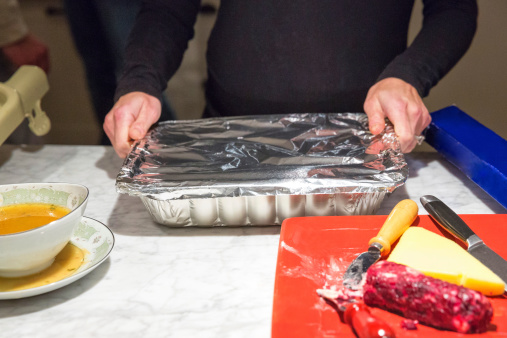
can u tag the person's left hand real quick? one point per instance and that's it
(398, 101)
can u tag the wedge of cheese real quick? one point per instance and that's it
(439, 257)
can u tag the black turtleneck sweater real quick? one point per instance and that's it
(292, 56)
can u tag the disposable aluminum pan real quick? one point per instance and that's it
(259, 170)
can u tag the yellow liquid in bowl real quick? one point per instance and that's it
(22, 217)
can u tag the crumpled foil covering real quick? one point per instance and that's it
(259, 170)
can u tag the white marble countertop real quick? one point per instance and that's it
(177, 282)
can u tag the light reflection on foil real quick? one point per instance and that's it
(267, 167)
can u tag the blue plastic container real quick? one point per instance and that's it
(476, 150)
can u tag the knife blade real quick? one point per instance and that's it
(450, 221)
(401, 217)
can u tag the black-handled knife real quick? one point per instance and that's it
(450, 221)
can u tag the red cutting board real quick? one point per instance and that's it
(315, 251)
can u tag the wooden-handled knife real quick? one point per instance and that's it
(401, 217)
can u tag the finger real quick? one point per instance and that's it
(108, 127)
(418, 115)
(148, 115)
(122, 122)
(408, 147)
(424, 121)
(405, 136)
(404, 129)
(414, 116)
(397, 113)
(376, 116)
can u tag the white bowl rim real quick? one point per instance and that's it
(45, 184)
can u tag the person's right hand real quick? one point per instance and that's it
(130, 119)
(28, 51)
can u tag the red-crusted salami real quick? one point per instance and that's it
(431, 301)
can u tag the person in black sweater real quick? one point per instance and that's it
(295, 56)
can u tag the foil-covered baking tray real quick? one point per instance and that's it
(259, 170)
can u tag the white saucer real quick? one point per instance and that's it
(90, 235)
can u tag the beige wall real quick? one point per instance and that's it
(67, 103)
(476, 84)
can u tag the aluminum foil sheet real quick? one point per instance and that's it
(259, 170)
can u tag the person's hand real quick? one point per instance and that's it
(398, 101)
(130, 119)
(28, 51)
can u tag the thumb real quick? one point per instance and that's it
(137, 131)
(376, 116)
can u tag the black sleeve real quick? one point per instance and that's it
(447, 32)
(156, 45)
